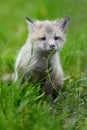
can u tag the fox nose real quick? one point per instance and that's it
(52, 46)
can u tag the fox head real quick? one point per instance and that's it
(48, 35)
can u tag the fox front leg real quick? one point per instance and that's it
(57, 72)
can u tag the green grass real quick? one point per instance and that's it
(22, 107)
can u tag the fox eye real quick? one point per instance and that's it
(56, 38)
(43, 38)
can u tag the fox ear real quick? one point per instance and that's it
(31, 24)
(63, 23)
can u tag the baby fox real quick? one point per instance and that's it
(38, 58)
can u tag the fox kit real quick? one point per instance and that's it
(38, 57)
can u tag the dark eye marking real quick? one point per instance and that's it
(43, 38)
(56, 38)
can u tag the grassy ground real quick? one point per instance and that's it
(22, 107)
